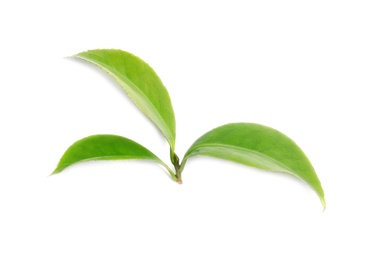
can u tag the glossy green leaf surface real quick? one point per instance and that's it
(260, 147)
(141, 84)
(105, 147)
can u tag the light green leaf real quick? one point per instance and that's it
(260, 147)
(141, 84)
(106, 147)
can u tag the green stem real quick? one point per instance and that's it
(180, 169)
(176, 164)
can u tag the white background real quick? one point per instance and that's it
(297, 66)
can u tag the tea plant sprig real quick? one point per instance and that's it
(246, 143)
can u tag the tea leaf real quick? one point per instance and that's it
(257, 146)
(141, 84)
(106, 147)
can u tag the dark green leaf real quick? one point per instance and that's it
(141, 84)
(257, 146)
(105, 147)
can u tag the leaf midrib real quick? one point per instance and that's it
(288, 170)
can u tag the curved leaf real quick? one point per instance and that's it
(141, 84)
(105, 147)
(260, 147)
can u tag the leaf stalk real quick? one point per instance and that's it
(178, 169)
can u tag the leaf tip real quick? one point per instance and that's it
(323, 202)
(56, 171)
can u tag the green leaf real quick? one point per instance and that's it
(106, 147)
(141, 84)
(260, 147)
